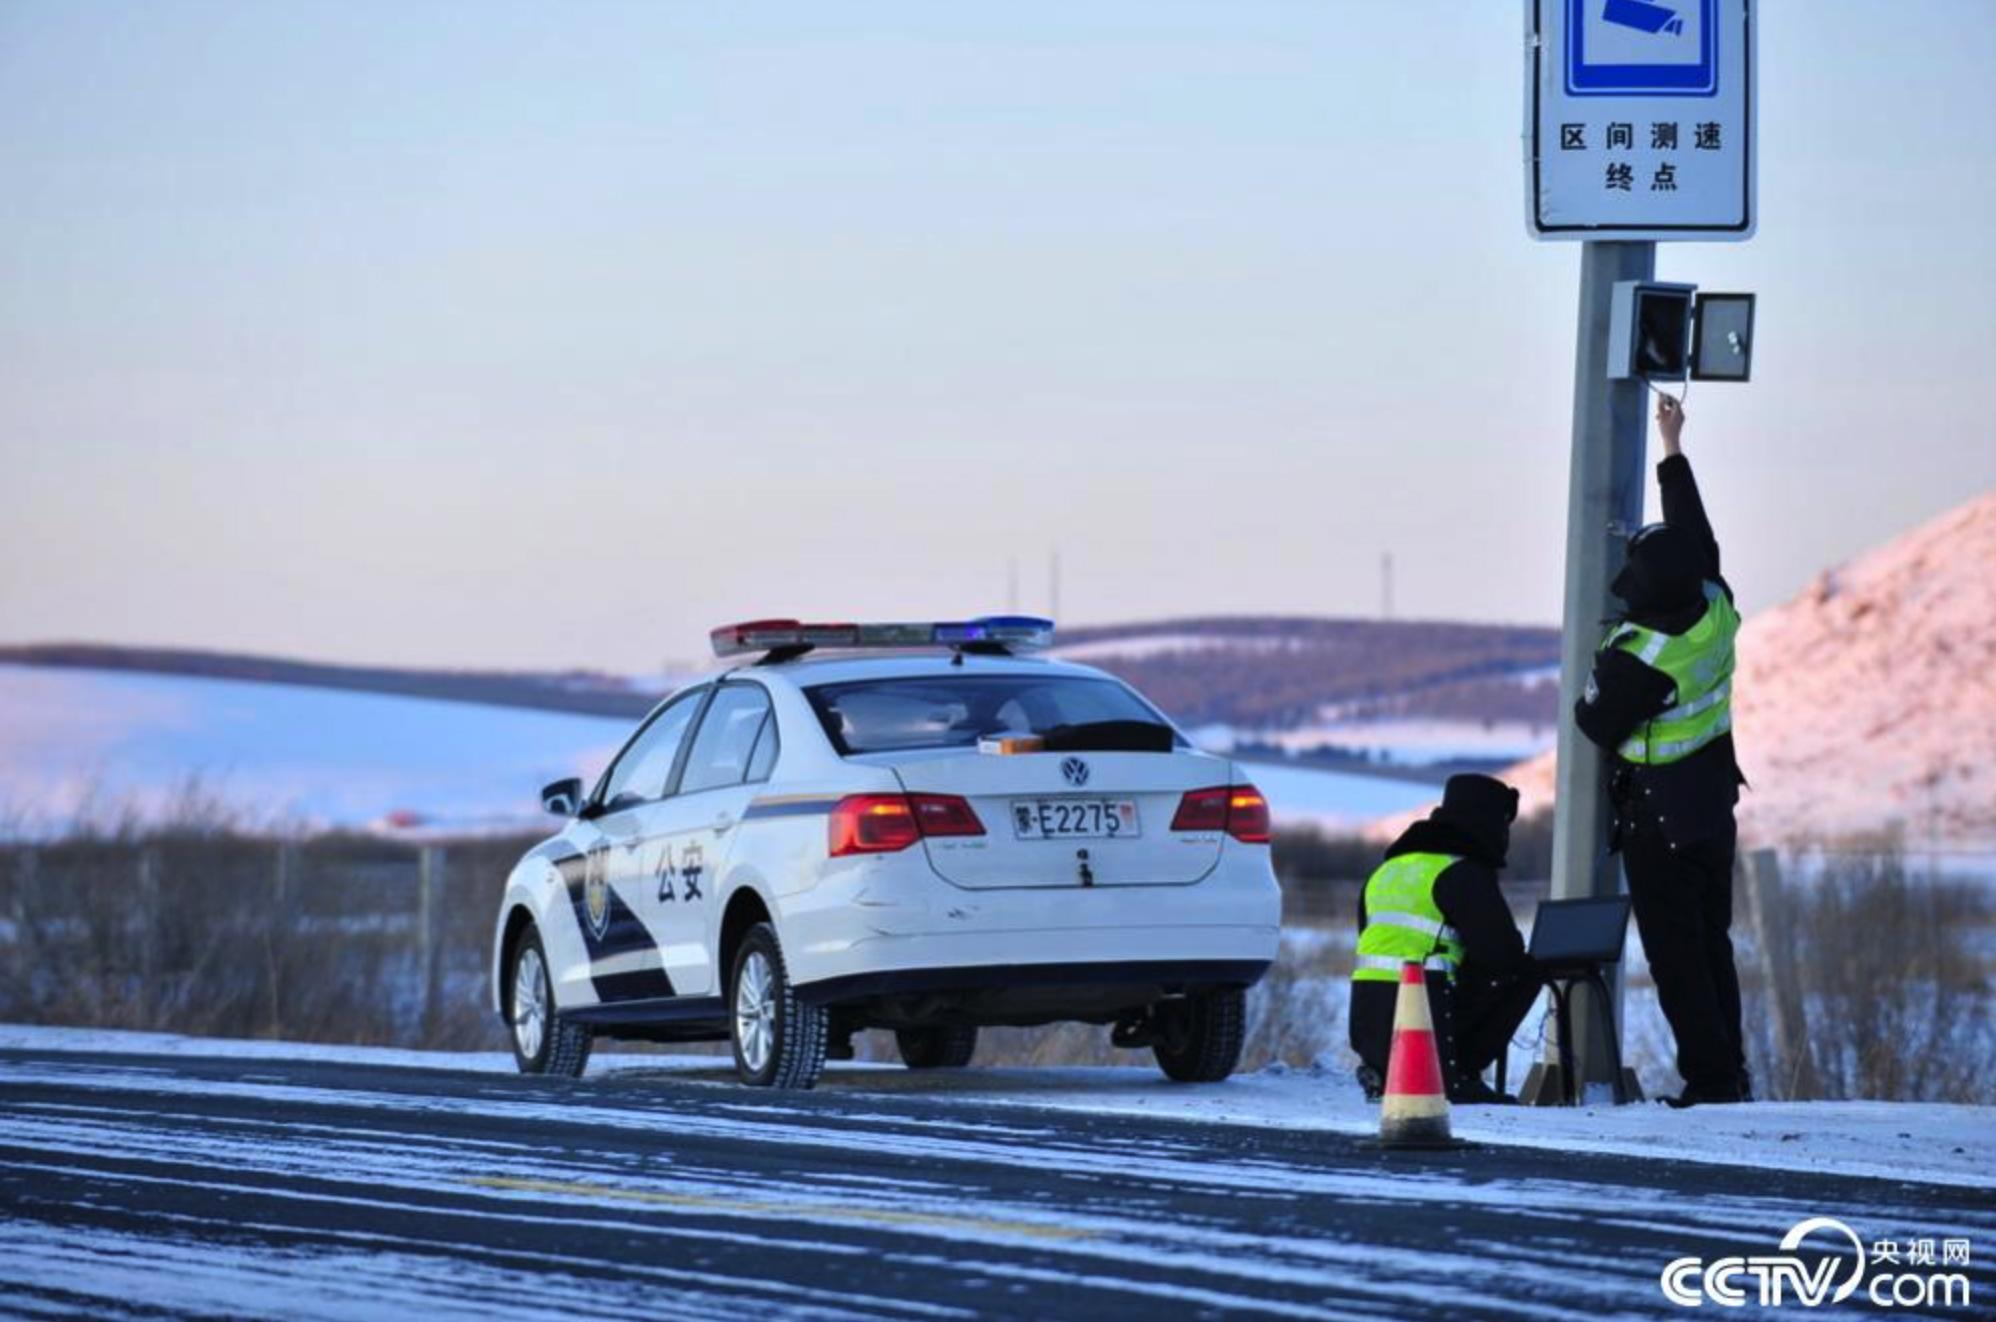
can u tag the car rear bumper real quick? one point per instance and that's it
(1170, 976)
(895, 918)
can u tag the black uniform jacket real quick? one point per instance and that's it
(1467, 894)
(1691, 799)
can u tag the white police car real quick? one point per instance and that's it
(925, 840)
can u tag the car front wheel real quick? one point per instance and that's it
(543, 1042)
(1199, 1038)
(779, 1039)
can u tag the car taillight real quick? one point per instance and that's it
(1239, 810)
(888, 823)
(1202, 810)
(945, 814)
(1247, 815)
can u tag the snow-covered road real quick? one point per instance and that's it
(302, 1184)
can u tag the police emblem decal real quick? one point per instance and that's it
(1075, 771)
(596, 894)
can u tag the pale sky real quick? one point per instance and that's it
(481, 335)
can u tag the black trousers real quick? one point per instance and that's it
(1475, 1017)
(1683, 898)
(1484, 1015)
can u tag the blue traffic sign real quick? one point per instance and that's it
(1642, 48)
(1639, 119)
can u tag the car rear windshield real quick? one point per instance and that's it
(955, 711)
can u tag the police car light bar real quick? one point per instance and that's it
(1008, 632)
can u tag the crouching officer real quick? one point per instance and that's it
(1435, 901)
(1660, 701)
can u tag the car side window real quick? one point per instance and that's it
(641, 770)
(727, 739)
(763, 760)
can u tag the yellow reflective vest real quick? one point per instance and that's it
(1402, 922)
(1699, 662)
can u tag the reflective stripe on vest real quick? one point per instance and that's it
(1661, 753)
(1413, 922)
(1391, 967)
(1402, 922)
(1685, 711)
(1699, 663)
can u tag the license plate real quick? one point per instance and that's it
(1074, 819)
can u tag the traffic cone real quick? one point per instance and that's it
(1414, 1111)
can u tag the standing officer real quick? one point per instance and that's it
(1660, 701)
(1435, 901)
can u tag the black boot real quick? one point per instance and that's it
(1708, 1094)
(1475, 1092)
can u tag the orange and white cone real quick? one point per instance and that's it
(1414, 1111)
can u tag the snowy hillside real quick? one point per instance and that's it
(1331, 800)
(1869, 701)
(319, 756)
(1407, 692)
(333, 757)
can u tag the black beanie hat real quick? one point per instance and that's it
(1483, 808)
(1471, 798)
(1663, 571)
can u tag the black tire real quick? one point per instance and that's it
(948, 1047)
(1199, 1038)
(558, 1047)
(789, 1049)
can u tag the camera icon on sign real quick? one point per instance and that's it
(1643, 16)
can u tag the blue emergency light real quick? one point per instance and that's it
(995, 632)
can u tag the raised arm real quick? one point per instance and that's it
(1682, 506)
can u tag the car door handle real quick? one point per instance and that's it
(723, 823)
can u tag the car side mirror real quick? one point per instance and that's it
(564, 797)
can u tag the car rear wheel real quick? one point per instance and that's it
(948, 1047)
(543, 1042)
(1199, 1038)
(779, 1040)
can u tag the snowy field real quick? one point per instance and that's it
(1399, 741)
(1920, 1143)
(316, 756)
(1334, 800)
(325, 757)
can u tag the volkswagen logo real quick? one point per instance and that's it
(1075, 770)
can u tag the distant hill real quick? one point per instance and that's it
(1271, 673)
(107, 743)
(585, 692)
(334, 743)
(1253, 673)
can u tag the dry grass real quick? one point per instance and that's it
(203, 923)
(1893, 971)
(198, 922)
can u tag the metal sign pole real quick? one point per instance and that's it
(1639, 128)
(1605, 490)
